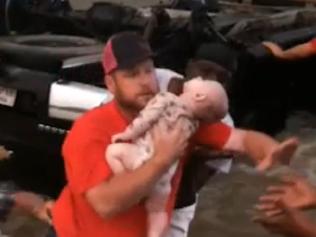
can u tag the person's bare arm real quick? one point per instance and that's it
(262, 149)
(126, 190)
(297, 52)
(255, 144)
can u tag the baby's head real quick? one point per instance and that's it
(207, 99)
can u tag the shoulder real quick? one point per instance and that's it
(164, 76)
(96, 116)
(92, 124)
(214, 127)
(312, 43)
(84, 149)
(215, 134)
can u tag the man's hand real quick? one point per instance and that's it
(275, 49)
(296, 192)
(291, 223)
(281, 153)
(169, 143)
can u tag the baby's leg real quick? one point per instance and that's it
(157, 216)
(157, 223)
(124, 156)
(156, 207)
(113, 156)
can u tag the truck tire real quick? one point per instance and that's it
(45, 52)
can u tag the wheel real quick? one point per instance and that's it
(45, 52)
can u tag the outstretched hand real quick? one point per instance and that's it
(282, 153)
(295, 191)
(291, 222)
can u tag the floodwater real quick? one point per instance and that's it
(226, 202)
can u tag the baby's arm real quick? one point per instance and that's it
(146, 118)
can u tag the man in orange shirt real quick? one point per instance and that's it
(95, 202)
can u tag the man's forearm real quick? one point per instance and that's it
(298, 52)
(125, 190)
(258, 145)
(255, 144)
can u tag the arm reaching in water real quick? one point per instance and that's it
(295, 191)
(291, 223)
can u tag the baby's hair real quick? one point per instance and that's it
(208, 70)
(175, 85)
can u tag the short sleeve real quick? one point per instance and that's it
(313, 44)
(214, 135)
(84, 156)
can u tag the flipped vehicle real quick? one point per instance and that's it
(49, 79)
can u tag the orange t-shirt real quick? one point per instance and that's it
(86, 167)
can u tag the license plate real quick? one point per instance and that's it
(7, 96)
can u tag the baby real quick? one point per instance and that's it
(201, 100)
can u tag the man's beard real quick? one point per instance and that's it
(128, 105)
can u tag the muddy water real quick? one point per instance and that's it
(225, 203)
(21, 225)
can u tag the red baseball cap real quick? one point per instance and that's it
(124, 50)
